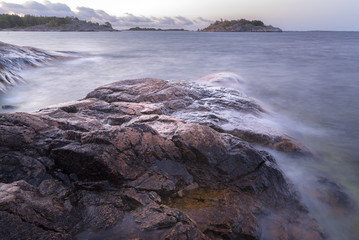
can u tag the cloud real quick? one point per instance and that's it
(94, 15)
(135, 19)
(183, 21)
(202, 21)
(121, 22)
(167, 21)
(38, 9)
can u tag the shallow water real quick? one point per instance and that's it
(309, 81)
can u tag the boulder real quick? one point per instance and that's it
(147, 159)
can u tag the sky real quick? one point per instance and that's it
(339, 15)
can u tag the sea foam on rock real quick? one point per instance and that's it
(147, 159)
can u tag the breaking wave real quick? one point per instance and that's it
(14, 58)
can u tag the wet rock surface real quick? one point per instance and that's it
(147, 159)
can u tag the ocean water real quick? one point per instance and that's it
(308, 81)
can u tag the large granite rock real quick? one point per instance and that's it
(147, 159)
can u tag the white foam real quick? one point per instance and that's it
(223, 79)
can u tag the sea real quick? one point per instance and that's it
(307, 81)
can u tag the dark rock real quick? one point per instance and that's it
(323, 191)
(15, 166)
(26, 212)
(147, 159)
(8, 107)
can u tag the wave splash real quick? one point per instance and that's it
(223, 79)
(14, 58)
(244, 118)
(240, 115)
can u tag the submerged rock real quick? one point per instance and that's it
(146, 159)
(7, 107)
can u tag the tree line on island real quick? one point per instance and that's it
(242, 25)
(155, 29)
(10, 21)
(242, 21)
(42, 23)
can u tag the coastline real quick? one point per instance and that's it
(250, 94)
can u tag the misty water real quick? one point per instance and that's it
(307, 81)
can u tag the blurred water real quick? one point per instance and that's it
(308, 80)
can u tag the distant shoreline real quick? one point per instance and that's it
(157, 29)
(50, 24)
(242, 25)
(50, 30)
(163, 30)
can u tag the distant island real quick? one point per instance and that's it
(155, 29)
(57, 24)
(242, 25)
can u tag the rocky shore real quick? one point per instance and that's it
(151, 159)
(147, 159)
